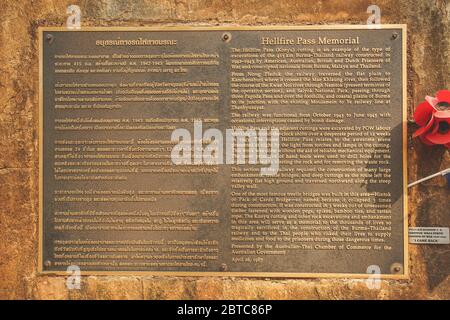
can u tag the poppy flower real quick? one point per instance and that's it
(433, 117)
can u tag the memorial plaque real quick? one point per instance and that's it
(322, 194)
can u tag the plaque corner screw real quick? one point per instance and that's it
(49, 37)
(396, 268)
(226, 37)
(394, 36)
(47, 263)
(223, 267)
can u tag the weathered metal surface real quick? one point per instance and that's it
(106, 229)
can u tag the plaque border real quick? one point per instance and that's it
(166, 28)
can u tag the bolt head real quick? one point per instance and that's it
(226, 37)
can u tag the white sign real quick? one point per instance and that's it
(429, 235)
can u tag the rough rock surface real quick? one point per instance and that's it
(428, 71)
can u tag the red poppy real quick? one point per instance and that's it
(433, 117)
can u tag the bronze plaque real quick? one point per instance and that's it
(113, 199)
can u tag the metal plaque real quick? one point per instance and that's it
(142, 169)
(429, 235)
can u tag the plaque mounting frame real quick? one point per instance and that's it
(394, 276)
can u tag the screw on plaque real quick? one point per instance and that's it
(394, 36)
(226, 37)
(397, 268)
(49, 37)
(223, 267)
(47, 263)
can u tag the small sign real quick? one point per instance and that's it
(429, 235)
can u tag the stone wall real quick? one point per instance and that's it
(428, 71)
